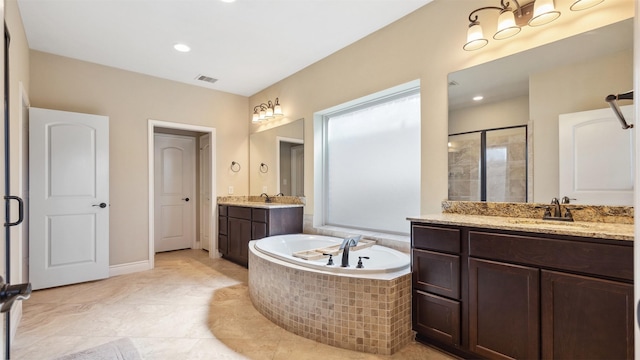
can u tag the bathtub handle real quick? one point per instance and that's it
(330, 262)
(360, 266)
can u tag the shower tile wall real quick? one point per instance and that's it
(506, 154)
(506, 166)
(464, 167)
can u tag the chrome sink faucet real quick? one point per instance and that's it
(557, 210)
(347, 243)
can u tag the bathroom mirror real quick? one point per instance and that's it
(276, 160)
(532, 88)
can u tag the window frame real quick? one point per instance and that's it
(321, 121)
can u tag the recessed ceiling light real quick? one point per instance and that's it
(478, 98)
(182, 47)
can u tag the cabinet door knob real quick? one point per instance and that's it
(186, 199)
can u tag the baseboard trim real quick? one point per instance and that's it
(129, 268)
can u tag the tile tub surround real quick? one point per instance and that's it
(587, 213)
(361, 314)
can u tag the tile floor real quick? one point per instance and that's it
(188, 307)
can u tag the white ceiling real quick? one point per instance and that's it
(247, 45)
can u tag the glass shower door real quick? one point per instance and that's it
(506, 165)
(488, 165)
(464, 167)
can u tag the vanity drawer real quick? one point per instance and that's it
(610, 260)
(259, 215)
(222, 210)
(436, 238)
(258, 230)
(437, 273)
(239, 212)
(436, 317)
(222, 225)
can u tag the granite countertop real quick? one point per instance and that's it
(614, 231)
(256, 204)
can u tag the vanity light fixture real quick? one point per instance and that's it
(267, 111)
(510, 21)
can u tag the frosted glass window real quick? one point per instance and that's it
(372, 169)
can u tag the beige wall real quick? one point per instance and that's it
(425, 45)
(568, 89)
(510, 112)
(130, 100)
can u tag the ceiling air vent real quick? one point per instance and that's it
(206, 78)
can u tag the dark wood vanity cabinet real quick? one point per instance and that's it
(503, 310)
(223, 234)
(522, 295)
(237, 225)
(586, 317)
(436, 283)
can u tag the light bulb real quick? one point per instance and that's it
(544, 12)
(506, 25)
(475, 38)
(584, 4)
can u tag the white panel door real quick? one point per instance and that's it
(174, 173)
(69, 189)
(205, 191)
(597, 157)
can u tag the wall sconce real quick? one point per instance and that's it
(267, 111)
(510, 22)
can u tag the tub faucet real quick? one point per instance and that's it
(346, 244)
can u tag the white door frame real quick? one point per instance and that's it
(152, 124)
(204, 182)
(636, 128)
(23, 100)
(280, 139)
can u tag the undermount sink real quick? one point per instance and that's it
(525, 221)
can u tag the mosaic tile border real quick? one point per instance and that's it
(365, 315)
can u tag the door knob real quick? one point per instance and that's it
(186, 199)
(101, 205)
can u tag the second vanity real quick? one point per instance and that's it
(502, 287)
(240, 221)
